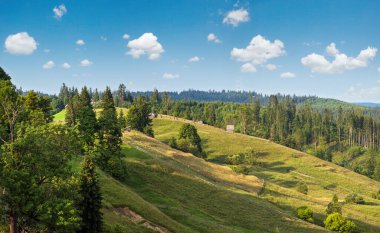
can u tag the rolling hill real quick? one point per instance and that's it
(171, 191)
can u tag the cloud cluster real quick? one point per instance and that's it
(66, 65)
(170, 76)
(126, 36)
(48, 65)
(80, 42)
(20, 43)
(319, 64)
(59, 11)
(287, 75)
(258, 52)
(236, 17)
(86, 62)
(213, 38)
(145, 44)
(194, 59)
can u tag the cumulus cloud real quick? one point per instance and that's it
(235, 17)
(271, 67)
(86, 62)
(319, 64)
(48, 65)
(80, 42)
(145, 44)
(126, 36)
(258, 52)
(248, 68)
(170, 76)
(66, 65)
(59, 11)
(194, 59)
(287, 75)
(213, 38)
(20, 44)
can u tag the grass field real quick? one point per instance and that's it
(178, 192)
(283, 168)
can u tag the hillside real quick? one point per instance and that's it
(171, 191)
(283, 168)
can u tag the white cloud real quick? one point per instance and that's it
(86, 62)
(66, 65)
(145, 44)
(248, 68)
(235, 17)
(170, 76)
(258, 52)
(126, 36)
(194, 59)
(20, 43)
(378, 69)
(59, 11)
(103, 38)
(48, 65)
(357, 93)
(80, 42)
(319, 64)
(271, 67)
(287, 75)
(213, 38)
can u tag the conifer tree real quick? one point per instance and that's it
(91, 199)
(87, 122)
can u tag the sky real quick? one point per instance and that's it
(315, 47)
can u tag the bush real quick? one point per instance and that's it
(305, 213)
(334, 206)
(243, 169)
(173, 143)
(354, 198)
(302, 188)
(187, 146)
(336, 222)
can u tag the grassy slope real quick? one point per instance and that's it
(284, 168)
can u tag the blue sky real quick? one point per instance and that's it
(316, 47)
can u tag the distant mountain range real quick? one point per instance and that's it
(368, 104)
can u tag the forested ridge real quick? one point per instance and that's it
(297, 122)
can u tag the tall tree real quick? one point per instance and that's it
(91, 199)
(86, 118)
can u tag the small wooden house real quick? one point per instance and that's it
(230, 128)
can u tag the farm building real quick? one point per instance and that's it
(230, 128)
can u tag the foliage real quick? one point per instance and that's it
(354, 198)
(91, 199)
(138, 117)
(334, 206)
(250, 157)
(34, 169)
(188, 135)
(335, 222)
(305, 213)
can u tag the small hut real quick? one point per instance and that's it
(230, 128)
(152, 115)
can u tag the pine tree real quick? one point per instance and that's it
(91, 199)
(87, 122)
(334, 206)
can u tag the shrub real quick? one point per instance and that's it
(305, 213)
(173, 143)
(354, 198)
(334, 206)
(336, 222)
(236, 159)
(187, 146)
(243, 169)
(302, 188)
